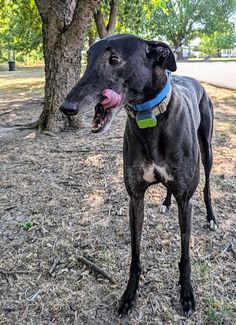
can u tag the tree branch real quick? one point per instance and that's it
(100, 24)
(82, 15)
(42, 8)
(112, 17)
(12, 272)
(97, 269)
(102, 29)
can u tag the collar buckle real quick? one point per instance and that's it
(130, 110)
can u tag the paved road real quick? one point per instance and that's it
(221, 74)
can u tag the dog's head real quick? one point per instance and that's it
(121, 69)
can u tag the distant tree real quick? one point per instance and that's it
(135, 17)
(20, 28)
(91, 34)
(189, 18)
(171, 20)
(213, 44)
(64, 26)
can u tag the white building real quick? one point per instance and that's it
(228, 53)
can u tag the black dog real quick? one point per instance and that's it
(169, 123)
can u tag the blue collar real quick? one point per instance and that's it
(156, 100)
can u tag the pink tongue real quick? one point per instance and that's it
(112, 99)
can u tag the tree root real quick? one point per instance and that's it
(32, 126)
(49, 133)
(28, 126)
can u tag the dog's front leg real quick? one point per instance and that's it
(186, 291)
(136, 214)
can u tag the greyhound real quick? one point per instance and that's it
(168, 128)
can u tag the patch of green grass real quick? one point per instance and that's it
(202, 268)
(225, 183)
(27, 225)
(220, 310)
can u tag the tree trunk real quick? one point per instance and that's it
(180, 56)
(64, 26)
(218, 53)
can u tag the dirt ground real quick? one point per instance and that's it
(64, 197)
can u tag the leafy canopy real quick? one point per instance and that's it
(174, 19)
(20, 27)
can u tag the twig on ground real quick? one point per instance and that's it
(115, 137)
(54, 264)
(86, 150)
(224, 250)
(33, 296)
(226, 247)
(97, 269)
(69, 151)
(104, 150)
(6, 272)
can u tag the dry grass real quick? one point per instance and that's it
(64, 197)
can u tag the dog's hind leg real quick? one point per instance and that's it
(205, 136)
(186, 291)
(136, 214)
(165, 207)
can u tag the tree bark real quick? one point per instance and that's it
(179, 54)
(64, 24)
(103, 30)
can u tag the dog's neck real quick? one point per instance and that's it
(162, 96)
(156, 84)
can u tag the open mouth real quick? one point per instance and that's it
(105, 110)
(101, 118)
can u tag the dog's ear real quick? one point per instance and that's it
(162, 54)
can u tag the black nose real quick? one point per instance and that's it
(69, 108)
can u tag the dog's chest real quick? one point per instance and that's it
(152, 172)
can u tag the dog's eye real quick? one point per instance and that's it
(114, 60)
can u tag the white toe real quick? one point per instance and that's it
(213, 225)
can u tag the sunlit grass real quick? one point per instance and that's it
(26, 80)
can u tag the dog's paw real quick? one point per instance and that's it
(125, 305)
(164, 209)
(213, 225)
(188, 302)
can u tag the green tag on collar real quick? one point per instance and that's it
(146, 120)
